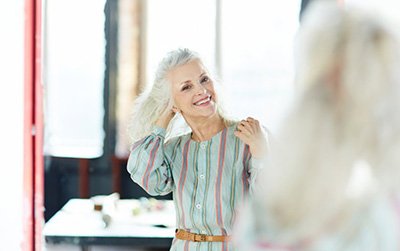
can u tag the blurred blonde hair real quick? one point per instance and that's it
(338, 148)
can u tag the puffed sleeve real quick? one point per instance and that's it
(257, 164)
(148, 164)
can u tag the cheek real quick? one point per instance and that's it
(213, 94)
(210, 88)
(214, 98)
(180, 101)
(175, 102)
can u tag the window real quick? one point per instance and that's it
(179, 23)
(255, 43)
(73, 78)
(257, 57)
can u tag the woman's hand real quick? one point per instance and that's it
(251, 133)
(165, 118)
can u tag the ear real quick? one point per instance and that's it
(175, 109)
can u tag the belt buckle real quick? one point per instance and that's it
(200, 237)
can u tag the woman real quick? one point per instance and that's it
(334, 184)
(210, 169)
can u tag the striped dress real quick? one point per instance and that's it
(208, 179)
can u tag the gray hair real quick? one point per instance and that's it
(157, 100)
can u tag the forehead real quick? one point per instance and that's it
(190, 71)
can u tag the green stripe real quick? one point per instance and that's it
(173, 156)
(208, 166)
(138, 159)
(174, 151)
(233, 185)
(236, 149)
(157, 187)
(233, 192)
(233, 179)
(195, 164)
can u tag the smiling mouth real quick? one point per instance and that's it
(203, 101)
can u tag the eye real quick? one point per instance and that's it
(204, 79)
(186, 87)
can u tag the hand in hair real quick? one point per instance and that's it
(251, 133)
(165, 118)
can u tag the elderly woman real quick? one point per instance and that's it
(332, 182)
(210, 169)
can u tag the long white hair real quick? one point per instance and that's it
(157, 100)
(339, 146)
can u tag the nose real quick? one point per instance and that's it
(201, 89)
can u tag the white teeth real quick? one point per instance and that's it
(203, 101)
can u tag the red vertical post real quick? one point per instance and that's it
(33, 129)
(38, 137)
(29, 56)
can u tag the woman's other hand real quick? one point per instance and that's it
(252, 134)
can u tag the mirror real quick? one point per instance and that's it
(100, 54)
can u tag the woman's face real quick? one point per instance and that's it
(192, 91)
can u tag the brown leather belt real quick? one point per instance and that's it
(186, 236)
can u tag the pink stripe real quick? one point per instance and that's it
(137, 143)
(150, 164)
(224, 247)
(218, 199)
(182, 179)
(186, 246)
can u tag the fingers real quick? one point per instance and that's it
(165, 118)
(248, 126)
(244, 127)
(240, 135)
(253, 122)
(252, 134)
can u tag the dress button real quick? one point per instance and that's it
(203, 146)
(198, 206)
(202, 176)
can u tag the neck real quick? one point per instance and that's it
(205, 129)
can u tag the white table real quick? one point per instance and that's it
(130, 225)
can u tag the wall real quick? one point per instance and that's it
(11, 125)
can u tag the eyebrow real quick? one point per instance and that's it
(188, 81)
(185, 82)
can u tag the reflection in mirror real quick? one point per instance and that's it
(99, 55)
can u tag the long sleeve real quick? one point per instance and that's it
(149, 166)
(254, 168)
(257, 164)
